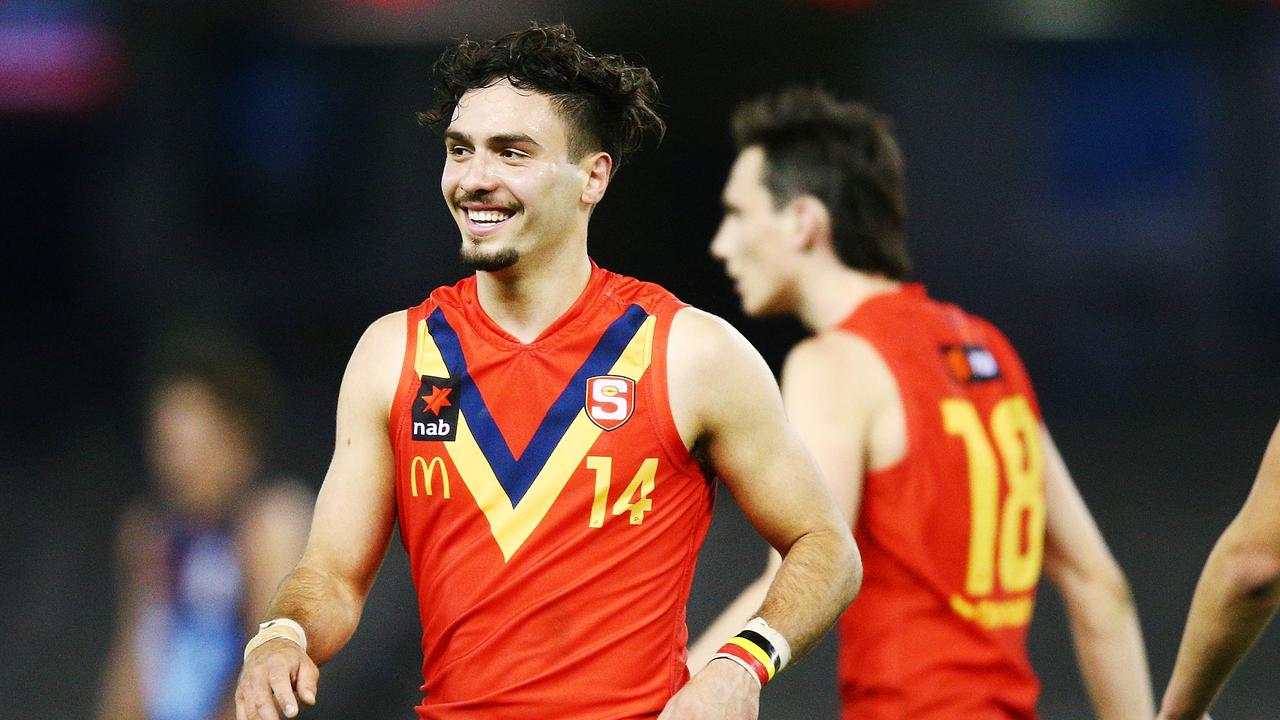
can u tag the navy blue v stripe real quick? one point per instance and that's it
(514, 475)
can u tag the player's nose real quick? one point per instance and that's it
(720, 244)
(479, 175)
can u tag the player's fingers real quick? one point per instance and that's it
(259, 704)
(308, 679)
(282, 690)
(264, 708)
(240, 715)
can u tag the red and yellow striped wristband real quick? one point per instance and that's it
(758, 648)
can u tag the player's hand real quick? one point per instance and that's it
(276, 675)
(722, 690)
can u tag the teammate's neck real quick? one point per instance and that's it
(527, 298)
(831, 292)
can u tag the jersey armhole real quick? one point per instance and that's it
(663, 420)
(910, 418)
(400, 402)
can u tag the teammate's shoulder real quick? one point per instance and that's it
(991, 336)
(835, 356)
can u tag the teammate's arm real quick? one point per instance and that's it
(724, 397)
(121, 692)
(1237, 594)
(354, 512)
(273, 534)
(838, 395)
(1100, 609)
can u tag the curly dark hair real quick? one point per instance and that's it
(607, 101)
(842, 153)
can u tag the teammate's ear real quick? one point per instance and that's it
(813, 222)
(599, 167)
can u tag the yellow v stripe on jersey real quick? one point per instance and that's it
(515, 494)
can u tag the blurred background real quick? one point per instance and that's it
(1100, 178)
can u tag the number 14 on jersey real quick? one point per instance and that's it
(634, 498)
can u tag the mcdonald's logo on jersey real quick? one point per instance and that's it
(610, 400)
(435, 409)
(426, 472)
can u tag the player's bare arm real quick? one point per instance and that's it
(843, 402)
(725, 401)
(1236, 597)
(1100, 609)
(354, 513)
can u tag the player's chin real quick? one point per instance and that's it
(762, 306)
(486, 259)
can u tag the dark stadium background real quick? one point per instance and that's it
(1103, 182)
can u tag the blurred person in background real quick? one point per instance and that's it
(199, 556)
(1236, 597)
(925, 424)
(550, 422)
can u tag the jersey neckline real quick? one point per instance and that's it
(582, 310)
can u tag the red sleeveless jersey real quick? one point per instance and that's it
(551, 512)
(952, 536)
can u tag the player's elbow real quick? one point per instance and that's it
(855, 580)
(849, 559)
(1251, 574)
(1099, 593)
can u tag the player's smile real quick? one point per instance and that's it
(485, 219)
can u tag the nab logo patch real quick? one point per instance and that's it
(435, 409)
(610, 400)
(970, 363)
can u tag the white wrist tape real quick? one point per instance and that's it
(759, 649)
(779, 643)
(278, 628)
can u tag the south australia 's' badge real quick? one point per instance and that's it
(610, 400)
(435, 409)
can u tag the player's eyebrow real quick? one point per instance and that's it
(513, 139)
(502, 140)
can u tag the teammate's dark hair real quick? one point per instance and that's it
(608, 103)
(224, 364)
(842, 153)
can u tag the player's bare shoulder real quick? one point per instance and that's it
(835, 364)
(699, 339)
(838, 382)
(711, 370)
(384, 340)
(374, 369)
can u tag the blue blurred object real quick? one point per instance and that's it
(1120, 116)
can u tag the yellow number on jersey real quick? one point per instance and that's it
(996, 539)
(634, 499)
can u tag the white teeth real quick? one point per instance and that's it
(488, 216)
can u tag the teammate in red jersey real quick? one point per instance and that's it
(923, 421)
(1236, 597)
(534, 430)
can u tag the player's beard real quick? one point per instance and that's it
(477, 259)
